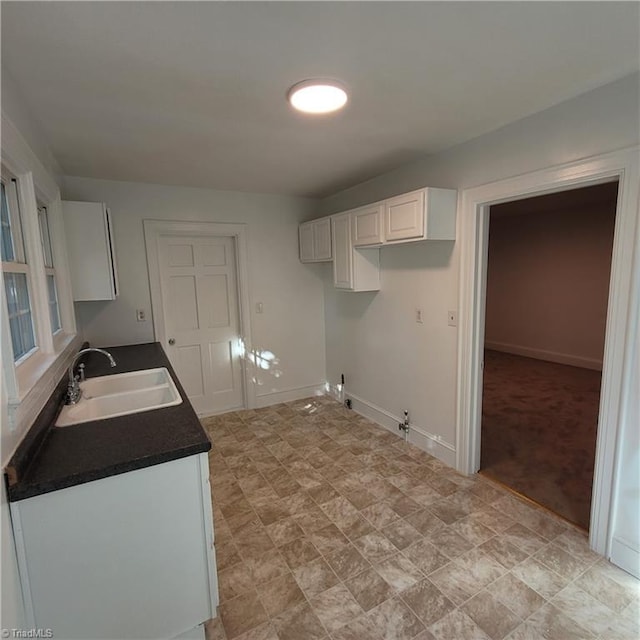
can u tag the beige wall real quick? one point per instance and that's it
(292, 322)
(548, 275)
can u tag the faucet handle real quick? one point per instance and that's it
(81, 371)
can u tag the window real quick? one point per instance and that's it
(16, 273)
(52, 293)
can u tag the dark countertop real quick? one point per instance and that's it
(62, 457)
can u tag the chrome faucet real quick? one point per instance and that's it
(74, 392)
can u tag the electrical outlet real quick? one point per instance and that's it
(452, 318)
(141, 316)
(419, 316)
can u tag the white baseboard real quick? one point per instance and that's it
(277, 397)
(626, 556)
(432, 444)
(541, 354)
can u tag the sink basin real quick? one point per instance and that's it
(121, 394)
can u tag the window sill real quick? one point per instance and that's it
(37, 381)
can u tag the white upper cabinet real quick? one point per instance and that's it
(425, 214)
(315, 241)
(352, 239)
(367, 225)
(353, 269)
(90, 250)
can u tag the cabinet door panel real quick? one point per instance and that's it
(404, 216)
(322, 239)
(305, 232)
(342, 261)
(367, 226)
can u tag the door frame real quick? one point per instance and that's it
(619, 337)
(153, 231)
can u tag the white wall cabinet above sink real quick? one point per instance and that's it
(92, 261)
(315, 241)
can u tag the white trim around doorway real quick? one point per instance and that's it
(473, 230)
(153, 230)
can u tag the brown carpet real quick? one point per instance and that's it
(539, 422)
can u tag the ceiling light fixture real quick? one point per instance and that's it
(317, 96)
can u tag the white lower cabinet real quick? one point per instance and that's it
(353, 269)
(128, 556)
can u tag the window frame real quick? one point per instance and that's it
(49, 269)
(23, 375)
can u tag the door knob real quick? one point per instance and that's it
(172, 341)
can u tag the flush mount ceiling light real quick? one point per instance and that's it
(317, 96)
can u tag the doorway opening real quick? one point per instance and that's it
(548, 273)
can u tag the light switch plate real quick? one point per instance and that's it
(452, 318)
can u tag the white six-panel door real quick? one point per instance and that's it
(200, 311)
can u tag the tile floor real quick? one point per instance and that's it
(330, 527)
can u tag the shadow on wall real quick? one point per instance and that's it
(426, 254)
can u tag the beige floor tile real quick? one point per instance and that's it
(369, 589)
(267, 567)
(584, 609)
(226, 555)
(242, 614)
(427, 602)
(395, 620)
(449, 542)
(265, 631)
(375, 547)
(214, 629)
(560, 561)
(298, 552)
(284, 531)
(280, 594)
(328, 539)
(336, 607)
(539, 577)
(401, 534)
(516, 595)
(234, 581)
(457, 625)
(360, 629)
(399, 572)
(555, 625)
(299, 622)
(380, 514)
(491, 615)
(301, 489)
(347, 562)
(425, 556)
(503, 551)
(315, 577)
(601, 586)
(425, 522)
(471, 530)
(523, 538)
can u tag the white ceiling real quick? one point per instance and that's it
(193, 93)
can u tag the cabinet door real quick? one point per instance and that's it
(90, 250)
(322, 239)
(342, 259)
(404, 217)
(305, 233)
(367, 225)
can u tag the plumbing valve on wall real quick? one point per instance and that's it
(404, 426)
